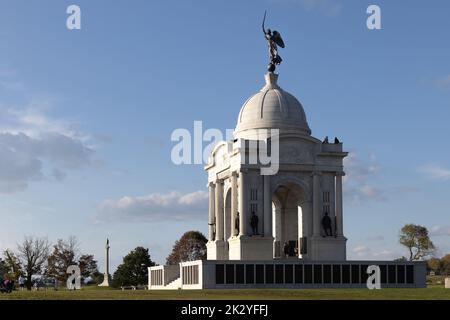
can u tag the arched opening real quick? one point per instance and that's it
(288, 202)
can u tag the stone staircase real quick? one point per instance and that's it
(174, 285)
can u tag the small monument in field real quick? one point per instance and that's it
(105, 282)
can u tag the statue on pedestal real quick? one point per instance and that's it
(326, 225)
(254, 223)
(236, 224)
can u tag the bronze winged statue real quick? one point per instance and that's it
(273, 41)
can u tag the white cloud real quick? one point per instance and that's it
(444, 82)
(173, 206)
(436, 172)
(357, 186)
(32, 143)
(440, 230)
(365, 253)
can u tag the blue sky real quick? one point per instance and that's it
(86, 115)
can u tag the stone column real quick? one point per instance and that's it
(339, 207)
(243, 207)
(219, 209)
(233, 202)
(267, 207)
(317, 210)
(211, 211)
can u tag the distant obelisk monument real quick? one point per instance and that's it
(105, 282)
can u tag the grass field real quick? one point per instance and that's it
(95, 293)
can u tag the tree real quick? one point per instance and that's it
(445, 264)
(434, 264)
(64, 254)
(190, 247)
(33, 253)
(12, 265)
(88, 267)
(415, 238)
(134, 269)
(3, 269)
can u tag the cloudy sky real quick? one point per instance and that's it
(86, 115)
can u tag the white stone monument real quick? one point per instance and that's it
(105, 282)
(447, 283)
(275, 212)
(291, 204)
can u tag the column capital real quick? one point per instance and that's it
(316, 173)
(340, 173)
(243, 170)
(212, 184)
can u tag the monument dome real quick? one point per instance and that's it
(272, 108)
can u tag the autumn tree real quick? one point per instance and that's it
(416, 239)
(434, 264)
(12, 265)
(65, 254)
(33, 253)
(191, 246)
(445, 264)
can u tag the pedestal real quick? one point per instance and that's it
(251, 248)
(216, 250)
(328, 248)
(105, 282)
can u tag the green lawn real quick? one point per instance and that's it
(95, 293)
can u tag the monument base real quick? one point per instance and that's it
(251, 248)
(105, 282)
(328, 248)
(217, 250)
(285, 274)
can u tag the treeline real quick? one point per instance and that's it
(440, 266)
(36, 256)
(134, 269)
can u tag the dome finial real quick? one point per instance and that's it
(271, 81)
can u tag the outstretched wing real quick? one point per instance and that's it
(264, 20)
(276, 37)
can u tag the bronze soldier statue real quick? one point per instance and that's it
(254, 223)
(236, 224)
(326, 224)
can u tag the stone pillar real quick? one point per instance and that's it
(243, 206)
(105, 282)
(211, 211)
(267, 207)
(233, 203)
(339, 207)
(317, 210)
(219, 209)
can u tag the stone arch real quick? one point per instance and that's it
(290, 205)
(280, 180)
